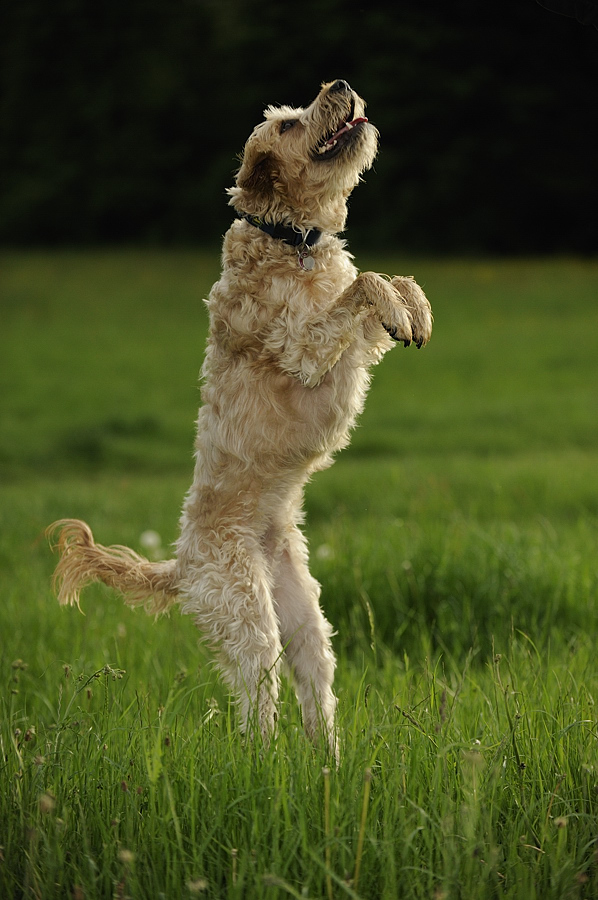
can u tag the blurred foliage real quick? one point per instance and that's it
(122, 122)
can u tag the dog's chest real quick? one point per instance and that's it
(266, 321)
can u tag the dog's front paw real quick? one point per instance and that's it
(396, 302)
(420, 312)
(395, 315)
(399, 332)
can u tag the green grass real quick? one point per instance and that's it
(456, 541)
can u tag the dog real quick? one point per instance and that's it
(294, 332)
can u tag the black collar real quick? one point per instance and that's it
(285, 233)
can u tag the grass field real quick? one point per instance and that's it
(456, 541)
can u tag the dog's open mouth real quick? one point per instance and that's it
(333, 144)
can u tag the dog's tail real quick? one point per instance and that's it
(152, 585)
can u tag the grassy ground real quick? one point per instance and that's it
(457, 544)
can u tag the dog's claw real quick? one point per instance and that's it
(392, 331)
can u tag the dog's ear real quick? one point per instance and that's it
(256, 176)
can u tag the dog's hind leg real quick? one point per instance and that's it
(306, 637)
(226, 588)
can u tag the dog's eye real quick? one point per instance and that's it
(284, 126)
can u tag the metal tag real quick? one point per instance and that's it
(306, 260)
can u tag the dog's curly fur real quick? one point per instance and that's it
(285, 377)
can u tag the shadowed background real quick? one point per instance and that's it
(121, 122)
(455, 539)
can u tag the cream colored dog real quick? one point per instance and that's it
(294, 330)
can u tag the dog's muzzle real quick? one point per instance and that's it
(347, 128)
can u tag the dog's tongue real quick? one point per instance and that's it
(346, 127)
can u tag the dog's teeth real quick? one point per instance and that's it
(327, 146)
(349, 126)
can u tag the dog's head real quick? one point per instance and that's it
(300, 165)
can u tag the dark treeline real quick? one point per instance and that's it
(121, 120)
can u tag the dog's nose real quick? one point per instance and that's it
(339, 86)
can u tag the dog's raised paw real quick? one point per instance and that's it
(416, 302)
(396, 334)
